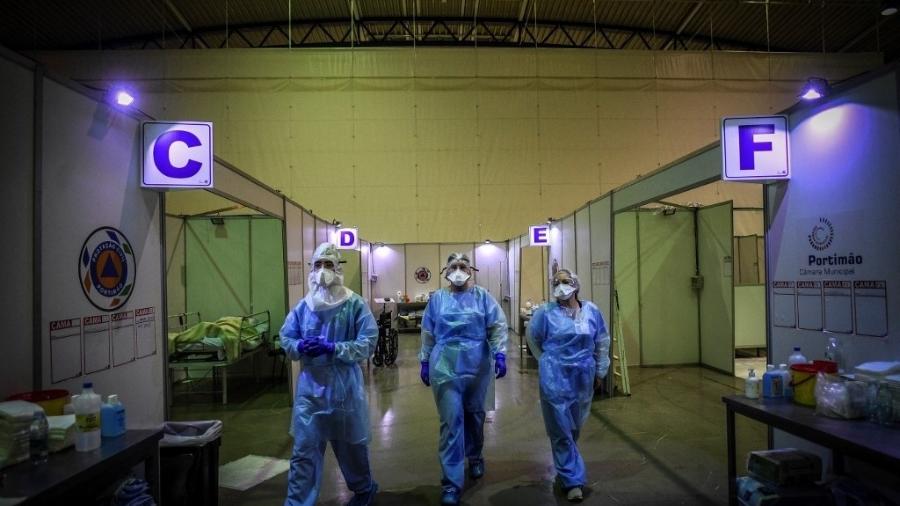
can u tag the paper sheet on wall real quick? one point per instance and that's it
(870, 300)
(600, 273)
(784, 304)
(65, 349)
(838, 306)
(96, 343)
(145, 331)
(123, 338)
(809, 305)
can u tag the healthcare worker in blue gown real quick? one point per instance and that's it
(569, 338)
(330, 331)
(463, 336)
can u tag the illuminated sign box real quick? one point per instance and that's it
(539, 235)
(346, 238)
(177, 154)
(755, 149)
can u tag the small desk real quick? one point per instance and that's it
(863, 440)
(68, 474)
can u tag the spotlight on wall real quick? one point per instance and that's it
(549, 221)
(815, 88)
(336, 222)
(487, 241)
(890, 7)
(217, 220)
(122, 97)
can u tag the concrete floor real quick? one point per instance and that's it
(664, 445)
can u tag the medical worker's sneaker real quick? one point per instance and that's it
(450, 495)
(574, 494)
(366, 498)
(476, 469)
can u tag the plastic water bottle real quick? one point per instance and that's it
(87, 419)
(834, 351)
(112, 417)
(38, 434)
(797, 357)
(751, 386)
(786, 380)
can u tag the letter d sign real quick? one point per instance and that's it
(347, 238)
(177, 155)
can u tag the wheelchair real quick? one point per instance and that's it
(386, 347)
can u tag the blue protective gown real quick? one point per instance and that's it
(461, 333)
(330, 401)
(571, 352)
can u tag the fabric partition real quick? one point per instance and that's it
(582, 265)
(627, 283)
(750, 316)
(566, 126)
(17, 144)
(267, 290)
(218, 267)
(668, 304)
(716, 298)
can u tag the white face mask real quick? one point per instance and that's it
(563, 292)
(458, 277)
(324, 277)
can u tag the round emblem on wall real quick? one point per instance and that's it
(106, 268)
(423, 275)
(822, 234)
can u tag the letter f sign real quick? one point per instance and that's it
(748, 145)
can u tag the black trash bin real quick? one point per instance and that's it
(189, 463)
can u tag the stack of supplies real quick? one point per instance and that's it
(15, 420)
(62, 432)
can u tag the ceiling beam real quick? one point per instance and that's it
(184, 24)
(683, 25)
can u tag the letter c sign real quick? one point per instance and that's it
(347, 238)
(177, 155)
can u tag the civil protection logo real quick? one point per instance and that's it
(423, 274)
(822, 234)
(106, 268)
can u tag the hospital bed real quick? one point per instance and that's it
(213, 346)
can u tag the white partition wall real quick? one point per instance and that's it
(90, 171)
(513, 255)
(388, 265)
(16, 202)
(491, 261)
(365, 259)
(714, 232)
(601, 257)
(567, 243)
(309, 245)
(848, 147)
(424, 259)
(626, 282)
(176, 236)
(582, 265)
(293, 225)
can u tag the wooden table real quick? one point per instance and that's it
(68, 475)
(860, 439)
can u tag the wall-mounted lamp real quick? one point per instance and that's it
(815, 88)
(889, 7)
(550, 221)
(217, 220)
(336, 222)
(487, 241)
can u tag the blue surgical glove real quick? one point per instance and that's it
(500, 365)
(301, 346)
(320, 346)
(423, 373)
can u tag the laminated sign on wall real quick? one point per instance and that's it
(177, 154)
(755, 149)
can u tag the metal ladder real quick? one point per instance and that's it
(620, 372)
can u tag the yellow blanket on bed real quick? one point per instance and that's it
(227, 328)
